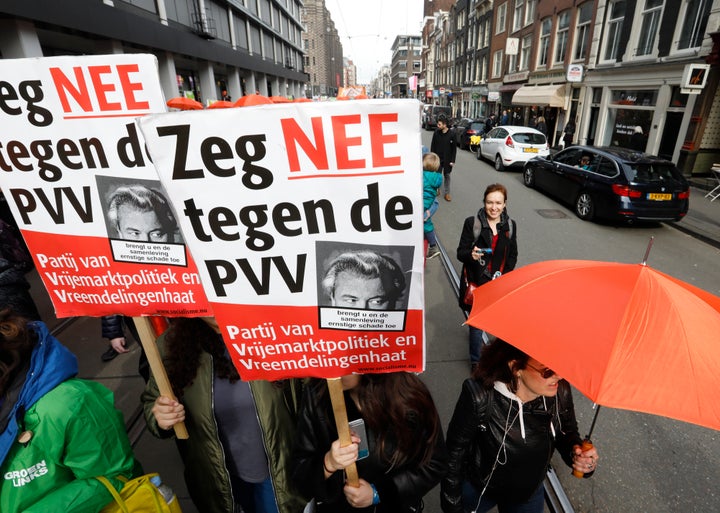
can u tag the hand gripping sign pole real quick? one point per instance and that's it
(341, 422)
(147, 338)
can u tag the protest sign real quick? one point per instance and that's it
(79, 182)
(306, 224)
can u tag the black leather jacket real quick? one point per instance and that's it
(505, 258)
(476, 432)
(401, 489)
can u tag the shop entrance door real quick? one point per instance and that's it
(670, 138)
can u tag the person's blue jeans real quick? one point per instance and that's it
(471, 497)
(254, 497)
(431, 238)
(476, 340)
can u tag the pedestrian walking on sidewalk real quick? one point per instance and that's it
(443, 144)
(510, 417)
(487, 249)
(432, 180)
(240, 433)
(57, 433)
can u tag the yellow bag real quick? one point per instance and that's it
(138, 495)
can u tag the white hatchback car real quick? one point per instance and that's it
(512, 146)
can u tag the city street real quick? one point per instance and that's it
(648, 463)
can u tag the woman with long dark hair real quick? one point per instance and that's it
(407, 455)
(511, 416)
(240, 433)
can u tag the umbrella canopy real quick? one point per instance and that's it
(625, 335)
(221, 104)
(280, 99)
(302, 100)
(182, 103)
(252, 99)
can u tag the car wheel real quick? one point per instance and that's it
(478, 154)
(584, 206)
(529, 177)
(499, 166)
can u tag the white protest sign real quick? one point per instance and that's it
(306, 223)
(83, 191)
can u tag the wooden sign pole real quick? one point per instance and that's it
(147, 339)
(341, 422)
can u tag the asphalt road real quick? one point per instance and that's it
(648, 463)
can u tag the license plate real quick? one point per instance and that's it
(656, 196)
(474, 139)
(530, 150)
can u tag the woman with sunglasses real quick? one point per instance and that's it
(511, 416)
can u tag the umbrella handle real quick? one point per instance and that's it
(585, 446)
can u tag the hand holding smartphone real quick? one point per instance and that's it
(358, 428)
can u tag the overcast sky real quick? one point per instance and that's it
(367, 30)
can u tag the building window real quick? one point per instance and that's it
(693, 23)
(616, 15)
(544, 46)
(561, 37)
(525, 52)
(486, 38)
(530, 11)
(649, 28)
(582, 30)
(500, 18)
(512, 63)
(497, 64)
(518, 14)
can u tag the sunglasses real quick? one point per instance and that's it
(545, 373)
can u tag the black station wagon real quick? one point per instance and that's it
(611, 182)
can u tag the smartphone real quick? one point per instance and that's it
(358, 428)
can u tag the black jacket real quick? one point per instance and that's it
(504, 256)
(400, 489)
(474, 439)
(443, 143)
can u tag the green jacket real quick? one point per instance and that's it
(77, 434)
(206, 474)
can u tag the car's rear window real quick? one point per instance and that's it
(477, 126)
(529, 138)
(652, 172)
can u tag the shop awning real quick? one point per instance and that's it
(550, 95)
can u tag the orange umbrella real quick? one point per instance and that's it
(625, 335)
(221, 104)
(280, 99)
(361, 97)
(252, 99)
(302, 100)
(182, 103)
(343, 98)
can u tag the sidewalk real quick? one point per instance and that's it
(703, 219)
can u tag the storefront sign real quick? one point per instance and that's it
(575, 73)
(694, 78)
